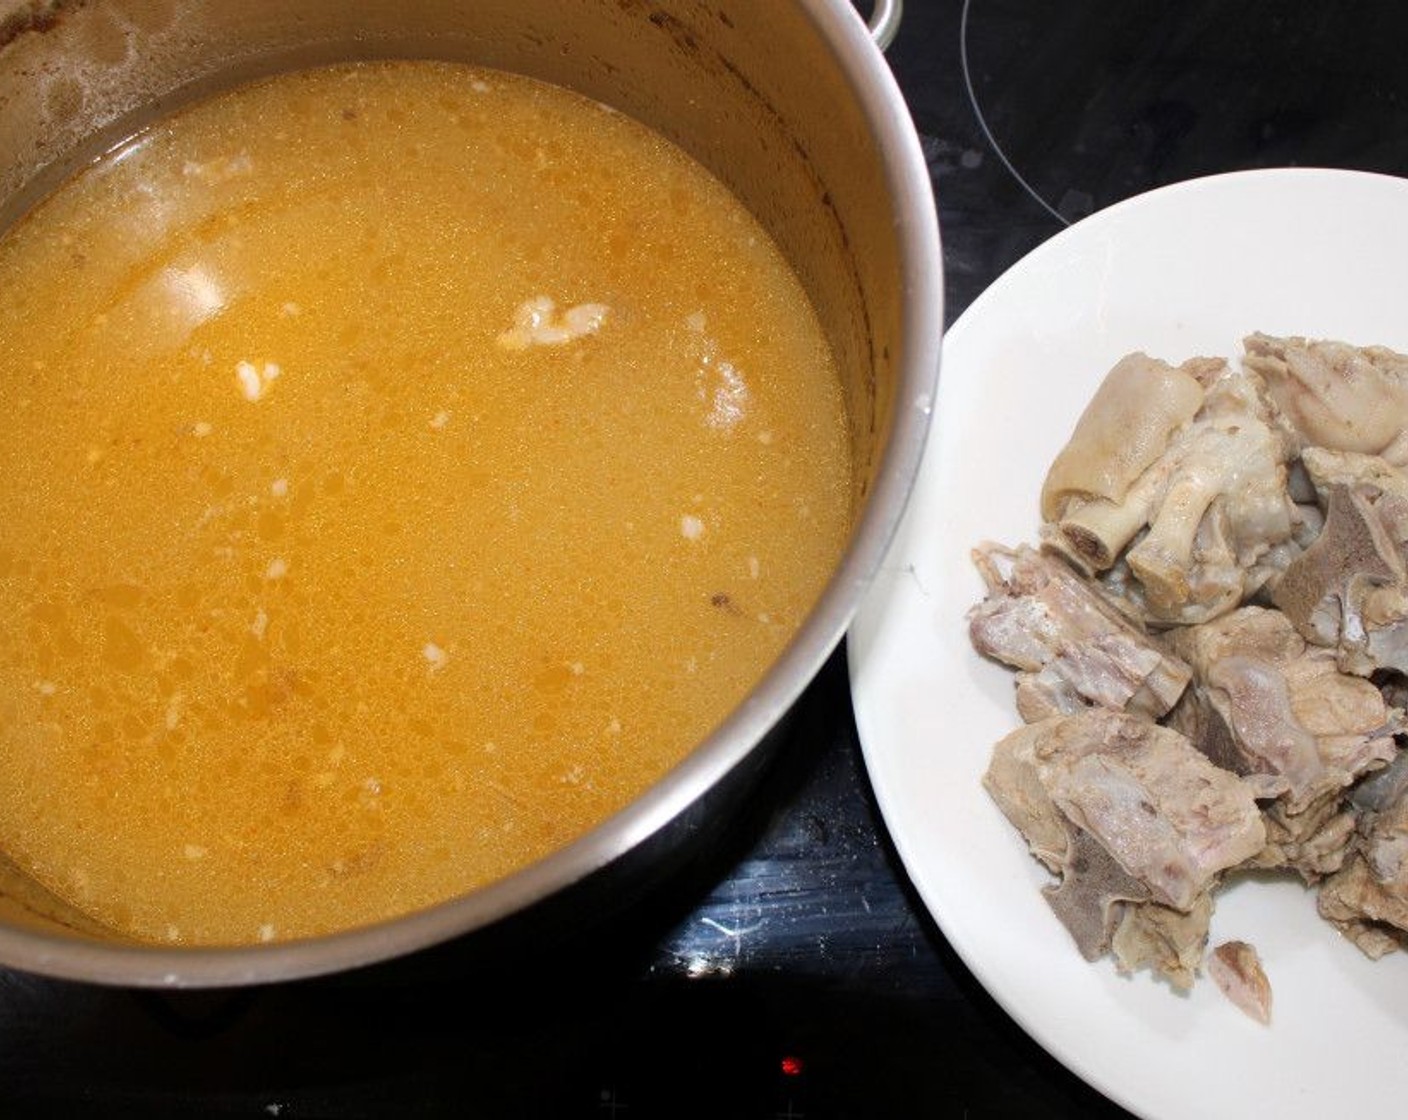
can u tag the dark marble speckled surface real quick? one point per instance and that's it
(800, 936)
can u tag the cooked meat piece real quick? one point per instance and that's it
(1352, 725)
(1073, 647)
(1045, 694)
(1338, 396)
(1368, 898)
(1325, 469)
(1014, 781)
(1205, 726)
(1208, 509)
(1168, 817)
(1313, 843)
(1125, 429)
(1091, 887)
(1372, 939)
(1171, 942)
(1289, 711)
(1137, 826)
(1225, 506)
(1348, 590)
(1236, 969)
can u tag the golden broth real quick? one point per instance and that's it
(402, 466)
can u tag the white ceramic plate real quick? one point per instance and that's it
(1189, 269)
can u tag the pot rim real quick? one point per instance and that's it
(907, 180)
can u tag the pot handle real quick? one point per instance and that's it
(885, 21)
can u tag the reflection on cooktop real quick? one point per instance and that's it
(1090, 102)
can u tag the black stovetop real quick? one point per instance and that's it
(791, 971)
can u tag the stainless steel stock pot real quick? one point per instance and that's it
(789, 102)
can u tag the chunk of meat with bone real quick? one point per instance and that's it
(1348, 590)
(1107, 910)
(1368, 899)
(1125, 429)
(1127, 813)
(1300, 729)
(1342, 397)
(1198, 485)
(1071, 646)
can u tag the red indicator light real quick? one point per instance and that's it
(792, 1067)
